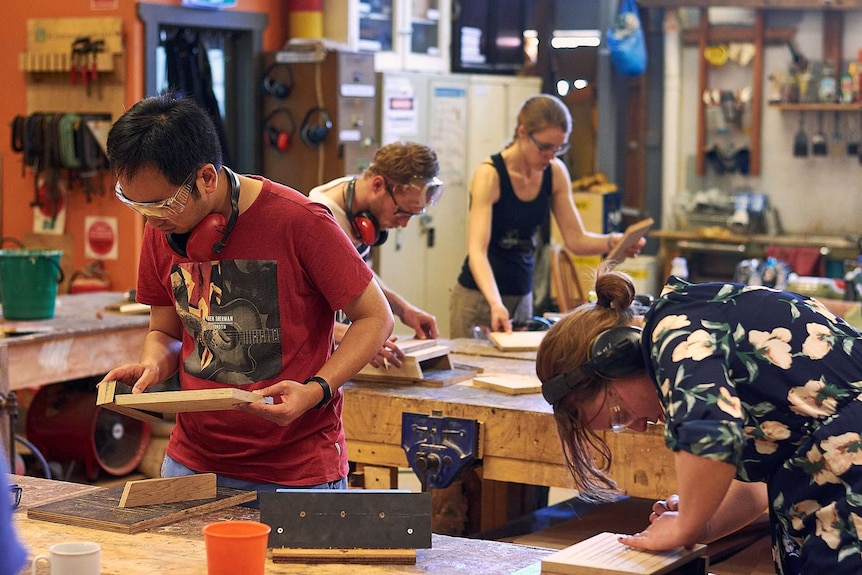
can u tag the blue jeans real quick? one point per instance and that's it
(172, 468)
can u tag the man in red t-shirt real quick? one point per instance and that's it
(243, 276)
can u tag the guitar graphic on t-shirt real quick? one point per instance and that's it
(230, 333)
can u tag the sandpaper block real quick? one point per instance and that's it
(150, 406)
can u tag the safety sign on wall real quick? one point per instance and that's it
(100, 237)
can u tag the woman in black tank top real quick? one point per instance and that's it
(511, 196)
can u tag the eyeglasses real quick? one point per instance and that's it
(619, 415)
(431, 190)
(172, 206)
(545, 148)
(15, 491)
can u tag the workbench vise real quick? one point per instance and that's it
(439, 448)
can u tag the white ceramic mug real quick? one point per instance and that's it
(73, 558)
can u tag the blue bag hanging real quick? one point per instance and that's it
(626, 41)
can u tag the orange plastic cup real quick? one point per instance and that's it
(236, 547)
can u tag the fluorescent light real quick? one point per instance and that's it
(576, 38)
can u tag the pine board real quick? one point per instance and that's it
(100, 510)
(149, 405)
(511, 383)
(345, 556)
(604, 555)
(517, 340)
(631, 236)
(169, 490)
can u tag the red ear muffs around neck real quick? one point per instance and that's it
(364, 225)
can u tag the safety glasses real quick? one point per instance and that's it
(620, 417)
(430, 190)
(545, 148)
(172, 206)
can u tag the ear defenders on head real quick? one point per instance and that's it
(209, 237)
(278, 138)
(315, 127)
(275, 88)
(613, 354)
(363, 225)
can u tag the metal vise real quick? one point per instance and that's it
(438, 448)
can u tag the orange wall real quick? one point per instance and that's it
(17, 190)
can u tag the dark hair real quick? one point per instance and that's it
(403, 162)
(174, 135)
(565, 348)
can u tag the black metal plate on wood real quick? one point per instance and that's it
(347, 519)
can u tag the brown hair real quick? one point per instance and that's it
(543, 111)
(565, 348)
(403, 162)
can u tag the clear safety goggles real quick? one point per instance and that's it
(172, 206)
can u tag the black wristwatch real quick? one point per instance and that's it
(324, 385)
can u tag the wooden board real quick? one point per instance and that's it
(115, 396)
(604, 555)
(631, 236)
(100, 510)
(422, 363)
(513, 384)
(169, 490)
(345, 556)
(517, 340)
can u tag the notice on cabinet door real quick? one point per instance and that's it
(400, 112)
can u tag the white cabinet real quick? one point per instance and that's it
(466, 118)
(404, 35)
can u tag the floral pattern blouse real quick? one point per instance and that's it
(769, 382)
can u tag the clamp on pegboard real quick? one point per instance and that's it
(439, 448)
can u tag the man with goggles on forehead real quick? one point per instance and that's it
(243, 276)
(400, 183)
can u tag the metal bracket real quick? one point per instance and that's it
(439, 448)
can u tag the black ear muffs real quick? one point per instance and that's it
(316, 126)
(209, 237)
(279, 137)
(363, 225)
(615, 353)
(278, 89)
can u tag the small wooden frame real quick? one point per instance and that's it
(510, 383)
(517, 340)
(424, 362)
(117, 397)
(168, 490)
(603, 554)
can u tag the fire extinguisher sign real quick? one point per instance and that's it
(100, 235)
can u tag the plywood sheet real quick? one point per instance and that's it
(604, 555)
(101, 510)
(510, 383)
(517, 340)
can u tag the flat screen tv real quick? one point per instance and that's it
(488, 35)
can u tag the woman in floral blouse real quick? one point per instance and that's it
(760, 394)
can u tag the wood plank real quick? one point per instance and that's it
(630, 238)
(100, 510)
(513, 384)
(115, 396)
(168, 490)
(604, 555)
(517, 340)
(345, 556)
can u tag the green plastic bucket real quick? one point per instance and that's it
(28, 283)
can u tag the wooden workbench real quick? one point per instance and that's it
(519, 441)
(81, 340)
(178, 549)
